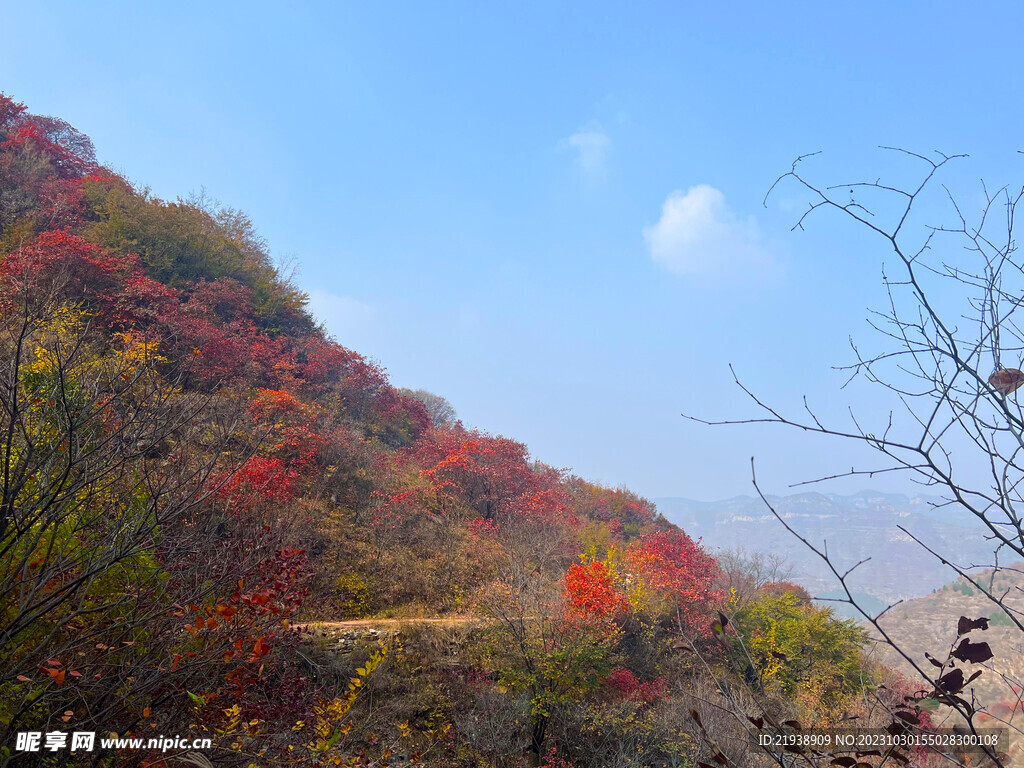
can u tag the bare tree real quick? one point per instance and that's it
(743, 573)
(949, 359)
(442, 413)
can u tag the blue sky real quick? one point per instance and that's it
(551, 213)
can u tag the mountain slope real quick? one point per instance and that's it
(190, 465)
(928, 624)
(192, 472)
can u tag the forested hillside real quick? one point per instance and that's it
(193, 474)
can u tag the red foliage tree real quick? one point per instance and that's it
(294, 432)
(225, 300)
(612, 505)
(492, 475)
(69, 151)
(60, 205)
(591, 592)
(10, 112)
(678, 570)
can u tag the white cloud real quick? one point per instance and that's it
(592, 147)
(699, 234)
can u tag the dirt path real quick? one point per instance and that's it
(445, 621)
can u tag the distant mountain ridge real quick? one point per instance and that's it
(859, 526)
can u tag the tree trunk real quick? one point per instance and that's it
(540, 727)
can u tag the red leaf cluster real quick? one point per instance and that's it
(628, 686)
(679, 570)
(590, 591)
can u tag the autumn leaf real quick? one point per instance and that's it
(972, 652)
(965, 625)
(1006, 380)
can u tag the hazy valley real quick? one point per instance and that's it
(856, 527)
